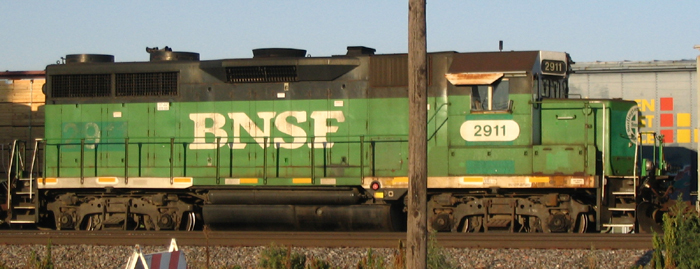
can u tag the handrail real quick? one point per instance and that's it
(603, 146)
(126, 160)
(9, 176)
(365, 162)
(19, 166)
(438, 110)
(438, 128)
(31, 169)
(244, 139)
(441, 124)
(638, 144)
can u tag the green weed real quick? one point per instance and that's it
(437, 258)
(371, 261)
(280, 257)
(679, 246)
(36, 262)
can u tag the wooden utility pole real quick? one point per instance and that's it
(417, 241)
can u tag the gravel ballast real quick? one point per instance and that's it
(89, 256)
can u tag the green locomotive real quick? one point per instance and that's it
(284, 141)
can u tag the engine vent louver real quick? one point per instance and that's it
(146, 84)
(252, 74)
(81, 85)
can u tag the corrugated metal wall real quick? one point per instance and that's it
(21, 115)
(21, 110)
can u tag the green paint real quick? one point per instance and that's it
(382, 123)
(501, 167)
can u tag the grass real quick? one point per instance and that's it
(280, 257)
(679, 245)
(36, 262)
(371, 261)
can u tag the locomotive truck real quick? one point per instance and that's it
(285, 141)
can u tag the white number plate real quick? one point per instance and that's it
(489, 130)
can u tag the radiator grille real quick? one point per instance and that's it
(81, 85)
(392, 71)
(146, 84)
(252, 74)
(388, 71)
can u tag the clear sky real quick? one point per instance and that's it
(37, 33)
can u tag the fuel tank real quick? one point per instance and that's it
(305, 217)
(277, 197)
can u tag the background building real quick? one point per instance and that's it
(21, 111)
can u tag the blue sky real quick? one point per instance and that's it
(37, 33)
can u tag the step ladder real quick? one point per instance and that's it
(621, 204)
(22, 202)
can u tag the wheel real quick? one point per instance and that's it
(649, 217)
(90, 223)
(472, 224)
(582, 226)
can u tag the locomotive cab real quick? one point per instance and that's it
(549, 154)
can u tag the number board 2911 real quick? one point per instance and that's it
(489, 130)
(554, 67)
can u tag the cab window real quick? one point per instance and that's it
(491, 97)
(552, 87)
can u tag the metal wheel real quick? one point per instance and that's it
(472, 224)
(534, 225)
(582, 223)
(649, 218)
(466, 225)
(90, 223)
(191, 221)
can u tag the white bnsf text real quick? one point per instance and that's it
(213, 124)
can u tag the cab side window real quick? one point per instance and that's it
(491, 97)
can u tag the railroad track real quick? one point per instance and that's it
(328, 239)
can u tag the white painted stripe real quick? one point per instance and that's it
(132, 182)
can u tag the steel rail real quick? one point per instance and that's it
(328, 239)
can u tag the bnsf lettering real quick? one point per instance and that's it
(213, 123)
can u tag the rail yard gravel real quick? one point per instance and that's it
(90, 256)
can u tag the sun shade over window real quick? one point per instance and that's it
(473, 78)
